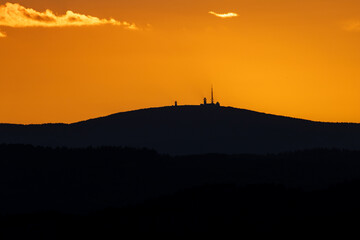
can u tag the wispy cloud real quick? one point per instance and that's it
(352, 26)
(17, 16)
(2, 35)
(224, 15)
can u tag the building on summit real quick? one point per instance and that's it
(212, 103)
(212, 100)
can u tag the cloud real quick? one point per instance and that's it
(16, 16)
(352, 26)
(2, 34)
(224, 15)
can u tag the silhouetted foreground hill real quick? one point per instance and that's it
(108, 192)
(191, 130)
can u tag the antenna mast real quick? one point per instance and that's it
(212, 95)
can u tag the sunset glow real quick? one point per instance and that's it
(224, 15)
(15, 15)
(66, 61)
(353, 26)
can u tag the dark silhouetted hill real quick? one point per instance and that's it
(83, 180)
(110, 192)
(191, 130)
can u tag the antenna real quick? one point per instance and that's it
(212, 95)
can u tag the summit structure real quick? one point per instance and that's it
(212, 100)
(212, 103)
(212, 95)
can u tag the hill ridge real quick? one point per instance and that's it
(191, 129)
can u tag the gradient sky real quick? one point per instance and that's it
(298, 58)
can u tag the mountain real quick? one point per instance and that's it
(99, 193)
(190, 130)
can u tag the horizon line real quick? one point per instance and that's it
(173, 106)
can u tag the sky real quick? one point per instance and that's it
(71, 60)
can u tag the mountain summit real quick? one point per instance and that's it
(191, 130)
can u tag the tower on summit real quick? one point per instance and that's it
(212, 100)
(212, 95)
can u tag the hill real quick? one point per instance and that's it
(102, 193)
(190, 130)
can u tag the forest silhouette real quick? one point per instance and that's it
(56, 193)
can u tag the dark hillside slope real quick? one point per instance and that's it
(38, 179)
(191, 130)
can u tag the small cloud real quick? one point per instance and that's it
(2, 34)
(352, 26)
(224, 15)
(17, 16)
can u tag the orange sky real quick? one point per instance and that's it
(298, 58)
